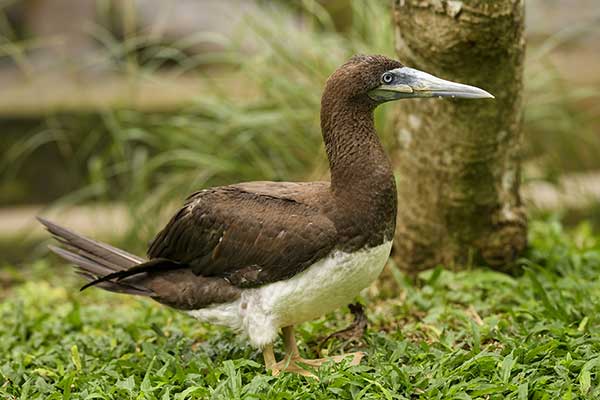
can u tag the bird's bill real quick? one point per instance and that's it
(410, 83)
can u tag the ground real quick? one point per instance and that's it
(444, 335)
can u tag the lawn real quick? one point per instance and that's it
(444, 335)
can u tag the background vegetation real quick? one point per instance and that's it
(474, 334)
(256, 115)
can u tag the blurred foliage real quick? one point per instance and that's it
(562, 118)
(261, 122)
(258, 118)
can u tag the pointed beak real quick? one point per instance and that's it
(411, 83)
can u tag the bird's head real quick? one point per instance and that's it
(377, 79)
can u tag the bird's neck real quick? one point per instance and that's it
(362, 179)
(356, 157)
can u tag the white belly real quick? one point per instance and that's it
(326, 285)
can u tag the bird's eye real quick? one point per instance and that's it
(387, 78)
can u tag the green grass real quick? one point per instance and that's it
(472, 334)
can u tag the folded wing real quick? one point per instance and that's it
(250, 237)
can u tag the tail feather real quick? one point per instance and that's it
(157, 264)
(84, 265)
(95, 261)
(106, 252)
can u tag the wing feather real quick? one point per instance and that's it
(250, 238)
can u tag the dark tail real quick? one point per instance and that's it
(101, 264)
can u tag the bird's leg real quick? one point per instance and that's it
(269, 356)
(293, 361)
(291, 356)
(289, 342)
(356, 330)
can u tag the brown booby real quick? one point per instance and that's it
(260, 256)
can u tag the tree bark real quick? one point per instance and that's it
(458, 160)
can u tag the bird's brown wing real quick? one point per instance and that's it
(251, 237)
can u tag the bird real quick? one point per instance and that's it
(260, 257)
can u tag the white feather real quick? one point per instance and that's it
(325, 286)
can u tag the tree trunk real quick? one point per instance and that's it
(458, 160)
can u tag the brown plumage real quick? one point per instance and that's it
(230, 245)
(250, 234)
